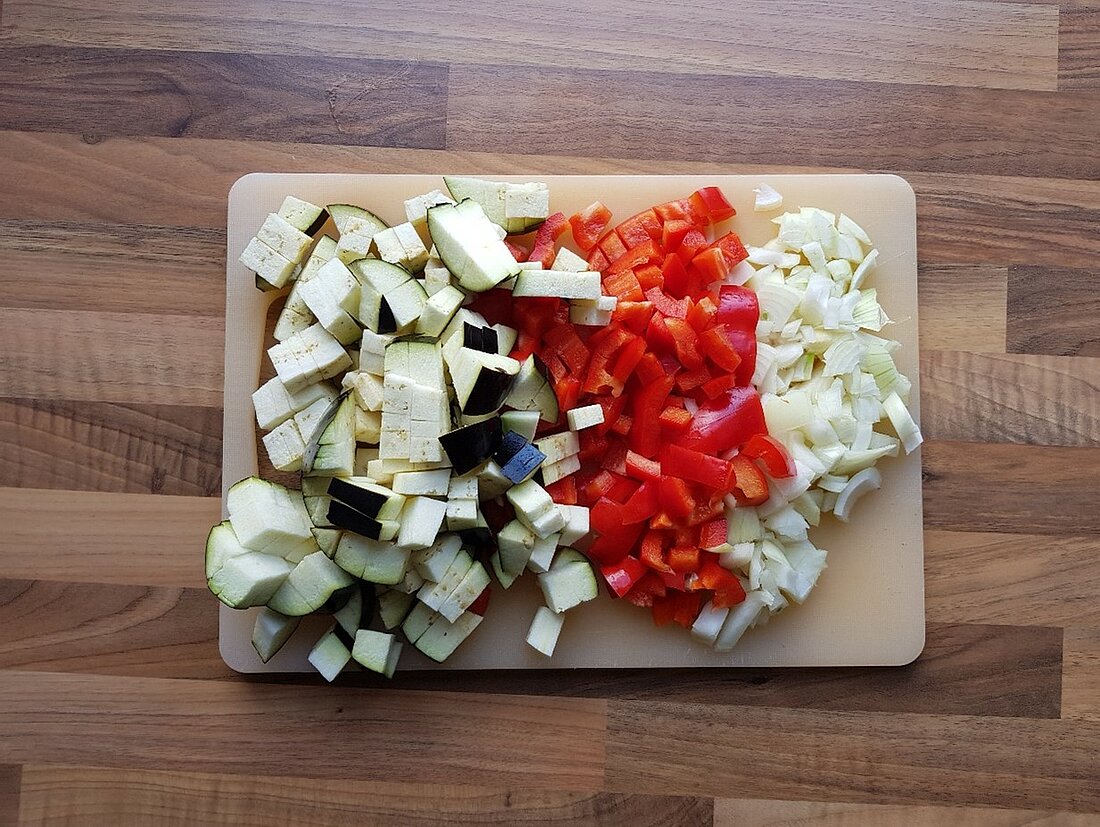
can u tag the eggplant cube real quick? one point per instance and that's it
(283, 237)
(267, 263)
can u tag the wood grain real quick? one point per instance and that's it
(90, 446)
(138, 796)
(76, 537)
(1031, 400)
(837, 756)
(978, 44)
(945, 288)
(66, 265)
(1053, 310)
(205, 94)
(229, 727)
(729, 812)
(768, 121)
(55, 354)
(10, 783)
(1080, 693)
(1079, 45)
(1011, 488)
(990, 577)
(1006, 671)
(109, 629)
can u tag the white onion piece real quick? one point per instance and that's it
(869, 479)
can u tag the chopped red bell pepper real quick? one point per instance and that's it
(714, 203)
(704, 512)
(673, 232)
(649, 369)
(732, 248)
(606, 516)
(694, 243)
(660, 339)
(701, 314)
(567, 346)
(687, 381)
(564, 491)
(612, 547)
(711, 265)
(695, 466)
(623, 285)
(544, 250)
(622, 576)
(727, 589)
(641, 505)
(611, 245)
(719, 385)
(633, 315)
(519, 253)
(674, 276)
(589, 224)
(652, 551)
(665, 304)
(714, 534)
(644, 253)
(646, 590)
(622, 425)
(627, 359)
(725, 422)
(649, 401)
(598, 486)
(661, 521)
(639, 228)
(593, 445)
(687, 608)
(738, 307)
(649, 275)
(685, 341)
(683, 558)
(772, 453)
(744, 344)
(663, 609)
(676, 420)
(642, 468)
(717, 348)
(597, 261)
(675, 496)
(613, 407)
(750, 486)
(568, 391)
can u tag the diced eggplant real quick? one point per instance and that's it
(471, 446)
(364, 496)
(271, 632)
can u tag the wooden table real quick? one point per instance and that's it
(124, 124)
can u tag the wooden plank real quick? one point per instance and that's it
(139, 796)
(1078, 50)
(1006, 671)
(242, 727)
(1080, 696)
(101, 446)
(989, 577)
(184, 182)
(962, 307)
(67, 265)
(932, 42)
(133, 539)
(209, 95)
(56, 354)
(1032, 400)
(110, 629)
(10, 783)
(970, 486)
(769, 121)
(835, 756)
(1052, 310)
(743, 812)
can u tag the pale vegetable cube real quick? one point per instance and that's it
(586, 417)
(283, 237)
(267, 263)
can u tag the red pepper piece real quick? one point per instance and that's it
(597, 261)
(663, 609)
(772, 453)
(633, 315)
(606, 516)
(644, 253)
(718, 385)
(727, 589)
(624, 487)
(687, 381)
(738, 307)
(698, 467)
(622, 425)
(646, 590)
(544, 251)
(674, 276)
(676, 420)
(610, 548)
(659, 338)
(598, 486)
(593, 445)
(519, 253)
(673, 232)
(666, 305)
(623, 285)
(711, 266)
(652, 551)
(568, 391)
(639, 228)
(673, 580)
(567, 345)
(717, 348)
(649, 401)
(641, 505)
(707, 511)
(702, 314)
(626, 362)
(589, 224)
(675, 497)
(750, 486)
(732, 248)
(714, 534)
(613, 407)
(564, 491)
(611, 245)
(622, 576)
(744, 344)
(481, 604)
(685, 341)
(687, 606)
(649, 369)
(714, 203)
(642, 468)
(694, 243)
(683, 558)
(725, 422)
(649, 275)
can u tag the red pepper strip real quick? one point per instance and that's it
(622, 576)
(627, 360)
(725, 422)
(693, 244)
(564, 491)
(518, 252)
(588, 225)
(732, 248)
(702, 314)
(674, 276)
(598, 486)
(711, 266)
(673, 232)
(641, 505)
(649, 401)
(614, 460)
(671, 308)
(718, 385)
(610, 548)
(622, 425)
(772, 453)
(633, 315)
(623, 285)
(673, 580)
(683, 558)
(705, 512)
(685, 340)
(538, 314)
(479, 605)
(687, 608)
(639, 228)
(544, 251)
(676, 497)
(652, 551)
(593, 445)
(644, 253)
(750, 486)
(714, 202)
(649, 369)
(613, 407)
(676, 420)
(688, 381)
(714, 534)
(649, 275)
(597, 261)
(660, 338)
(606, 516)
(727, 589)
(642, 468)
(717, 348)
(738, 307)
(568, 391)
(646, 590)
(680, 210)
(568, 346)
(611, 245)
(686, 464)
(663, 609)
(744, 343)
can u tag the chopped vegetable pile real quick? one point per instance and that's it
(660, 404)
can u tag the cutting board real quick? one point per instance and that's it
(868, 607)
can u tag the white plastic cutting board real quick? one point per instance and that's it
(868, 607)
